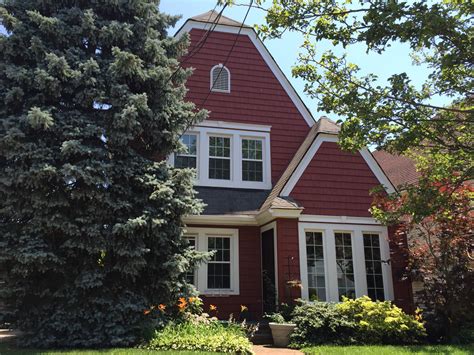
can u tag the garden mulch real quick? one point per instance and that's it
(270, 350)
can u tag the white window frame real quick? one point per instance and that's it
(190, 133)
(196, 247)
(358, 257)
(242, 159)
(202, 235)
(237, 132)
(211, 84)
(230, 158)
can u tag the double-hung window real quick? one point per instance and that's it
(315, 263)
(220, 275)
(191, 274)
(219, 158)
(218, 268)
(252, 159)
(373, 266)
(187, 159)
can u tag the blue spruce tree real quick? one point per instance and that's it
(91, 230)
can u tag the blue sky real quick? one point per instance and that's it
(285, 50)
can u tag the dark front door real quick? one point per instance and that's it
(268, 271)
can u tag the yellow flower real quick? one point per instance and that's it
(192, 299)
(243, 308)
(212, 307)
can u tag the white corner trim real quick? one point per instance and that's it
(378, 172)
(308, 157)
(285, 83)
(303, 164)
(222, 220)
(338, 219)
(233, 125)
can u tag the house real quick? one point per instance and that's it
(287, 209)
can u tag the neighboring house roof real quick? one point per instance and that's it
(399, 169)
(221, 200)
(324, 125)
(211, 16)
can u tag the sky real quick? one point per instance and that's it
(285, 50)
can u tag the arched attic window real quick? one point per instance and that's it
(220, 78)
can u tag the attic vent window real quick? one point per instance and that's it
(220, 78)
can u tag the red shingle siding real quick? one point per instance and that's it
(249, 275)
(335, 183)
(256, 95)
(288, 259)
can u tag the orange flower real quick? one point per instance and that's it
(161, 307)
(146, 311)
(212, 307)
(182, 304)
(243, 308)
(192, 299)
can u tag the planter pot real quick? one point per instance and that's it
(281, 333)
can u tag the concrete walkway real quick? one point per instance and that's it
(270, 350)
(7, 335)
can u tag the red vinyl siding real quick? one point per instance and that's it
(249, 275)
(256, 95)
(335, 183)
(288, 259)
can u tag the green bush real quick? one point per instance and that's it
(359, 321)
(381, 322)
(212, 337)
(321, 323)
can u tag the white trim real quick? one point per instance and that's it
(338, 219)
(272, 213)
(377, 170)
(233, 125)
(358, 257)
(202, 235)
(308, 157)
(223, 220)
(236, 181)
(190, 24)
(211, 84)
(266, 227)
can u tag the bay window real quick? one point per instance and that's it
(252, 160)
(219, 158)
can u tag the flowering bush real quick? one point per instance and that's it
(359, 321)
(381, 322)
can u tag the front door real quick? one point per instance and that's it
(268, 271)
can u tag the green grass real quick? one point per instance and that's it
(390, 350)
(9, 349)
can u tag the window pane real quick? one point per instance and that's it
(252, 170)
(373, 267)
(218, 268)
(219, 147)
(345, 265)
(182, 162)
(190, 275)
(315, 263)
(219, 169)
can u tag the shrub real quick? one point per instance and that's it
(381, 322)
(359, 321)
(320, 323)
(213, 336)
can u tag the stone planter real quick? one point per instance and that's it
(281, 333)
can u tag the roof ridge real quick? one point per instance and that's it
(211, 16)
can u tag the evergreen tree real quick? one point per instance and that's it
(91, 235)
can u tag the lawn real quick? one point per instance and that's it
(9, 349)
(390, 350)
